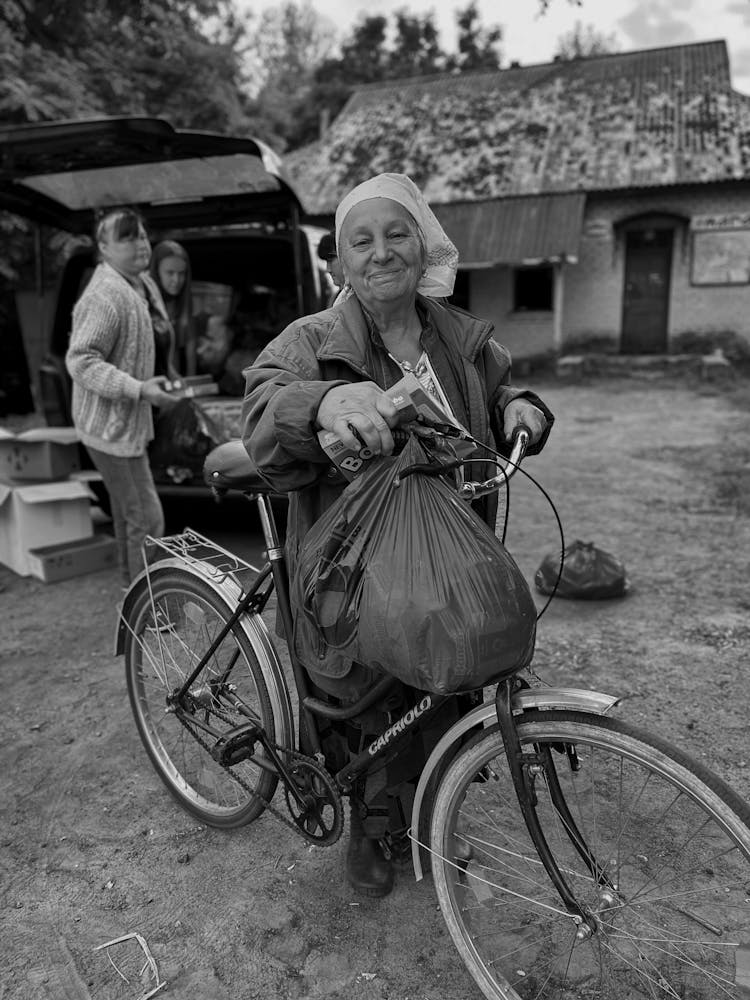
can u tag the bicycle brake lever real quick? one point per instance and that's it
(447, 430)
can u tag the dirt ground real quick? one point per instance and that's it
(656, 470)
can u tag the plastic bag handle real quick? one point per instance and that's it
(427, 469)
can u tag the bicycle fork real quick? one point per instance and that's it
(525, 767)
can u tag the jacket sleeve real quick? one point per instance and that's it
(281, 403)
(500, 392)
(96, 329)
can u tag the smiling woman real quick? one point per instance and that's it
(383, 256)
(329, 371)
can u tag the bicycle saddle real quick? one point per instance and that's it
(229, 467)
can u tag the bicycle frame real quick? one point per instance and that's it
(246, 606)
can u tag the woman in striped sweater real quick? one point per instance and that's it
(111, 361)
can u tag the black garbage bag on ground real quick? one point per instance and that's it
(589, 573)
(410, 581)
(183, 436)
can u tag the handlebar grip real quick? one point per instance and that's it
(519, 442)
(519, 430)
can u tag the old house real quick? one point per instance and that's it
(601, 201)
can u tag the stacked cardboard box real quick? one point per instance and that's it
(45, 511)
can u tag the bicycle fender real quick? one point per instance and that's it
(484, 716)
(251, 624)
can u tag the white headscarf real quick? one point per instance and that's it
(442, 257)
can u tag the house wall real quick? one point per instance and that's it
(525, 334)
(593, 292)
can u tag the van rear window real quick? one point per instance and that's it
(157, 184)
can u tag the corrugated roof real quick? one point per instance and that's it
(634, 119)
(512, 230)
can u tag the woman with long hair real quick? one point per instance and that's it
(170, 269)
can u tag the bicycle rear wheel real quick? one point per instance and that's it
(164, 642)
(672, 914)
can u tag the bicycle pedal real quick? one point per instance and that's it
(237, 746)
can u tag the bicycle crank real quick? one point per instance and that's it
(312, 798)
(314, 801)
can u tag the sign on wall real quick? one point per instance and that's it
(720, 249)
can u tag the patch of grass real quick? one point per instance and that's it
(727, 472)
(718, 636)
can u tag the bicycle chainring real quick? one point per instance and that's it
(319, 817)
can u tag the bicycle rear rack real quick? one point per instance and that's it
(195, 550)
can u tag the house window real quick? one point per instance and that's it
(533, 289)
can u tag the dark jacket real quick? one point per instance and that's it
(286, 384)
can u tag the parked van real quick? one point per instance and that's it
(226, 199)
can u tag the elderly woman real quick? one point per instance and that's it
(328, 371)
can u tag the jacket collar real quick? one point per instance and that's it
(347, 338)
(153, 295)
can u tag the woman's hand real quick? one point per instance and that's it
(521, 411)
(152, 390)
(362, 407)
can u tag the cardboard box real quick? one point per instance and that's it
(42, 453)
(43, 514)
(192, 386)
(59, 562)
(350, 461)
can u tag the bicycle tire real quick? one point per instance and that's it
(189, 614)
(671, 835)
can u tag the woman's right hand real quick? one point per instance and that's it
(362, 407)
(152, 390)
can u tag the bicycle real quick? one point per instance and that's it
(573, 855)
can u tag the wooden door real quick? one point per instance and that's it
(645, 303)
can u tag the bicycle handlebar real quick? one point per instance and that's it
(472, 490)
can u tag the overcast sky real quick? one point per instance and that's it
(529, 38)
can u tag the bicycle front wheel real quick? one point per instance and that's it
(666, 883)
(169, 630)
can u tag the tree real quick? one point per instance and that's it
(583, 41)
(285, 48)
(69, 58)
(478, 47)
(415, 50)
(363, 58)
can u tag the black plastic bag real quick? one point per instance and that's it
(410, 581)
(183, 436)
(589, 573)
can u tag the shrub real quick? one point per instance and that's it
(736, 348)
(591, 343)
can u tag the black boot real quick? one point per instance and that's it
(368, 871)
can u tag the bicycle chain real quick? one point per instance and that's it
(276, 813)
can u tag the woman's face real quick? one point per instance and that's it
(172, 272)
(129, 255)
(381, 252)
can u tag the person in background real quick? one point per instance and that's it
(170, 269)
(327, 252)
(110, 359)
(328, 372)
